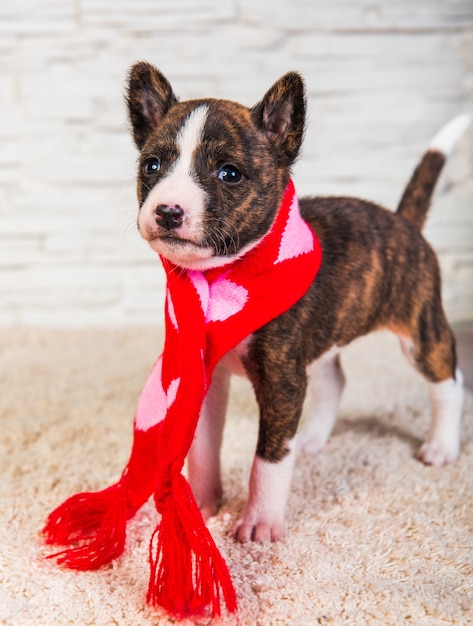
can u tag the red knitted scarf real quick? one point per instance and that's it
(206, 315)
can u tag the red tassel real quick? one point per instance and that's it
(97, 521)
(188, 573)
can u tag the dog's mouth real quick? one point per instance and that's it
(183, 252)
(213, 250)
(175, 240)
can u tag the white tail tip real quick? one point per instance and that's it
(446, 138)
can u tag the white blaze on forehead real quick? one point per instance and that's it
(179, 187)
(189, 138)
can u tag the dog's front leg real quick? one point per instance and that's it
(280, 389)
(203, 460)
(263, 517)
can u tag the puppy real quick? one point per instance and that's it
(211, 177)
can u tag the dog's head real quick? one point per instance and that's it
(212, 173)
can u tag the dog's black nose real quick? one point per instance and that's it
(169, 217)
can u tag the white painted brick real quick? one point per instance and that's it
(458, 291)
(60, 286)
(144, 292)
(30, 17)
(19, 250)
(382, 76)
(10, 152)
(182, 14)
(70, 315)
(449, 235)
(364, 16)
(8, 174)
(77, 245)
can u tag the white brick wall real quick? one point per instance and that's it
(382, 76)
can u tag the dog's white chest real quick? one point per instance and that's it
(232, 361)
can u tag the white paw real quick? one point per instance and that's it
(261, 531)
(208, 501)
(312, 443)
(209, 510)
(263, 517)
(437, 455)
(314, 435)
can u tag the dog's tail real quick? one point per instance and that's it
(416, 199)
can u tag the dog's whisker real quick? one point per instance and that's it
(129, 232)
(224, 237)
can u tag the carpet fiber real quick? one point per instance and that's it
(373, 536)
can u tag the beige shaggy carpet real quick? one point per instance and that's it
(373, 536)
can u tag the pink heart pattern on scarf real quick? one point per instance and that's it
(297, 237)
(154, 402)
(221, 300)
(226, 299)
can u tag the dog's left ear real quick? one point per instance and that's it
(149, 97)
(281, 116)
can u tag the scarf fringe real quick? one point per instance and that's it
(96, 521)
(188, 573)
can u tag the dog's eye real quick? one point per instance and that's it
(230, 174)
(151, 166)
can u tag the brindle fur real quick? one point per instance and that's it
(415, 201)
(377, 269)
(377, 272)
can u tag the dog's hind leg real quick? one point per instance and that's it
(443, 443)
(435, 357)
(326, 381)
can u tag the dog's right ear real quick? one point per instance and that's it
(149, 97)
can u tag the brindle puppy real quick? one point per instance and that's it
(211, 177)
